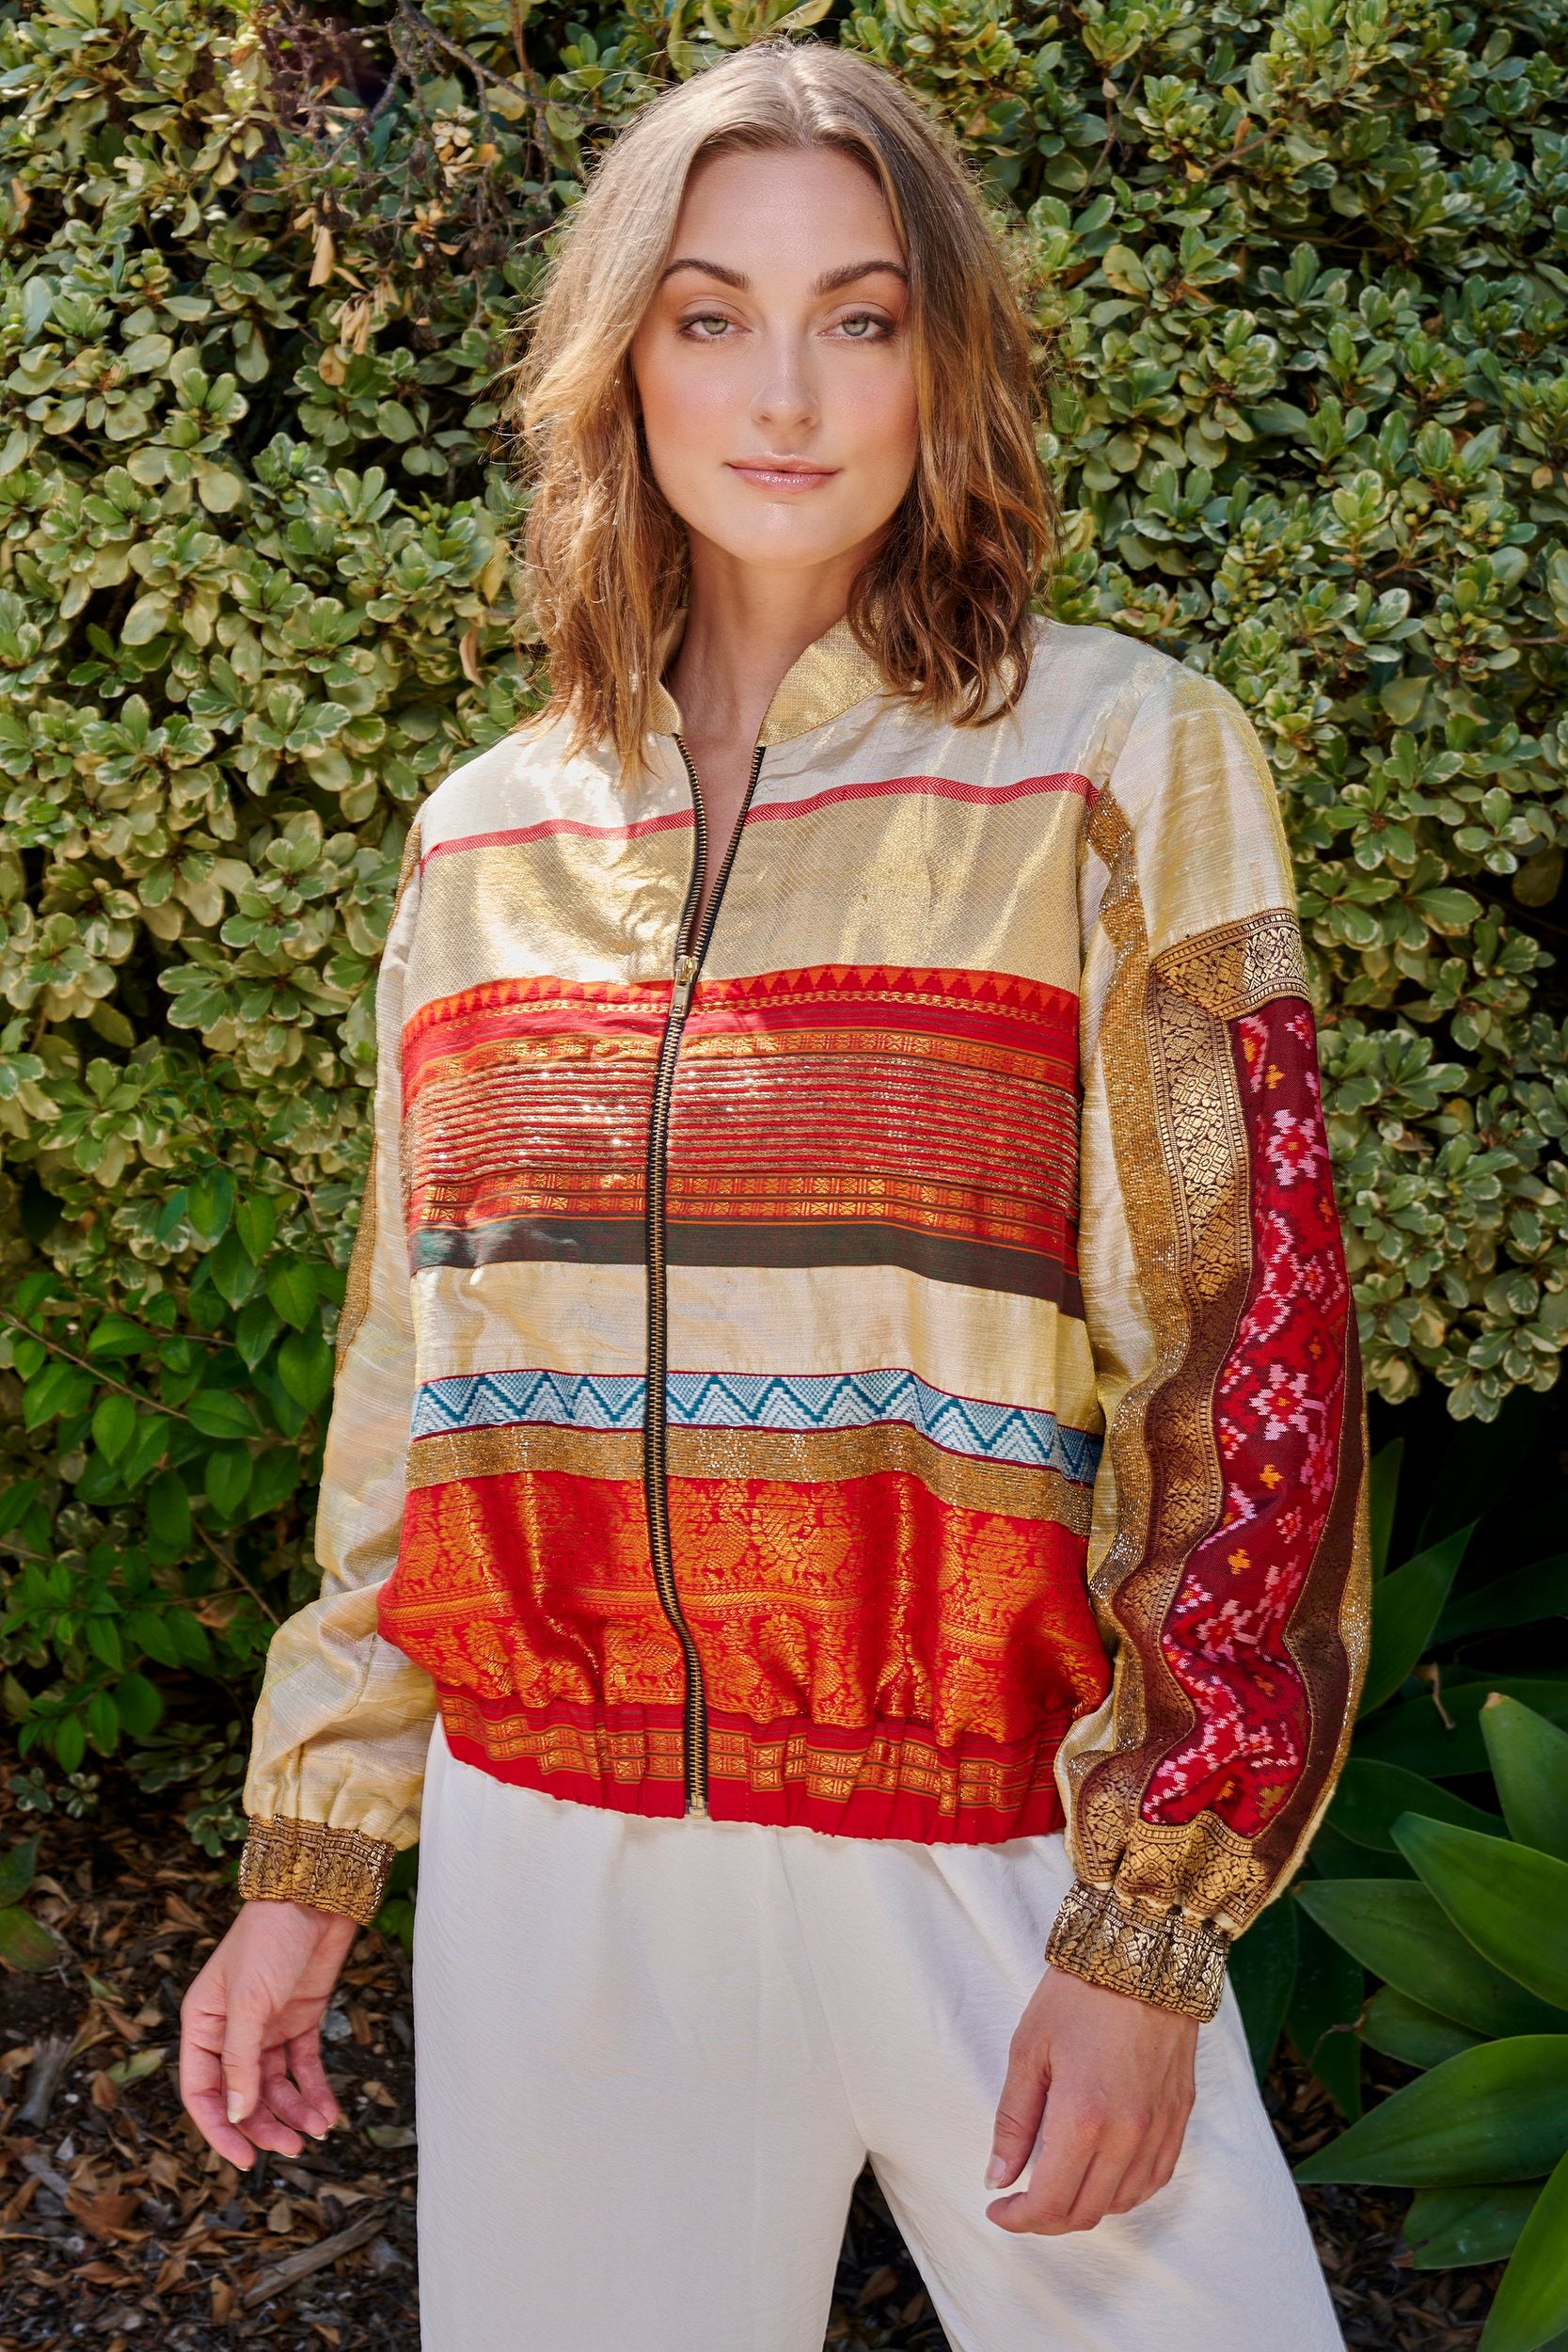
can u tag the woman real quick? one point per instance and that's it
(850, 1235)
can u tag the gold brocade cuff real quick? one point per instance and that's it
(306, 1862)
(1165, 1958)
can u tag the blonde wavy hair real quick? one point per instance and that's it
(943, 605)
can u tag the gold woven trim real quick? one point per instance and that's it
(286, 1861)
(1238, 966)
(785, 1456)
(1168, 1959)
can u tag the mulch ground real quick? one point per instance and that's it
(120, 2229)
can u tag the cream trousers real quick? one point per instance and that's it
(653, 2056)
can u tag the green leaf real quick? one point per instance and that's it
(393, 419)
(136, 2068)
(149, 1631)
(71, 1742)
(1382, 1486)
(1417, 1735)
(18, 1866)
(1325, 2007)
(190, 1639)
(1399, 1931)
(256, 1223)
(1405, 1607)
(1522, 1598)
(103, 1722)
(103, 1641)
(1370, 1797)
(210, 1205)
(255, 1331)
(1531, 2304)
(233, 1273)
(59, 1389)
(277, 1476)
(148, 618)
(1529, 1763)
(1402, 2028)
(305, 1367)
(140, 1706)
(172, 1215)
(147, 1448)
(1508, 1901)
(113, 1424)
(219, 1413)
(117, 1335)
(1403, 697)
(1263, 1969)
(1497, 2113)
(1448, 2228)
(226, 1476)
(291, 1288)
(25, 1943)
(169, 1511)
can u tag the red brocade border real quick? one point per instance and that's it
(888, 1780)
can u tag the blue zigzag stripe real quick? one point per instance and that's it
(713, 1400)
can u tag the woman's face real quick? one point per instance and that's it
(773, 362)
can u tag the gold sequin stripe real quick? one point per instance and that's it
(305, 1862)
(1166, 1959)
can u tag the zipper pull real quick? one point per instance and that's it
(685, 979)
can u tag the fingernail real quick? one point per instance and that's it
(994, 2171)
(236, 2107)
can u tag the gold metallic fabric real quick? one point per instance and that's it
(305, 1862)
(1159, 1957)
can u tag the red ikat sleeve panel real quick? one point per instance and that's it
(1229, 1568)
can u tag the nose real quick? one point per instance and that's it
(786, 394)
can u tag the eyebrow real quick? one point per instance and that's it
(829, 281)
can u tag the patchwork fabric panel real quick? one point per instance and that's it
(1279, 1409)
(836, 1116)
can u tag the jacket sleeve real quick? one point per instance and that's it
(337, 1760)
(1229, 1563)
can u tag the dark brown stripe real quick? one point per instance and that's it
(825, 1242)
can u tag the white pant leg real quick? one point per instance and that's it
(926, 1957)
(633, 2132)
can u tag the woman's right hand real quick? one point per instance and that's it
(251, 2065)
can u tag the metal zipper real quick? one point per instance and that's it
(655, 1474)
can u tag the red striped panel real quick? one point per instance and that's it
(931, 788)
(889, 1100)
(514, 837)
(882, 787)
(451, 1027)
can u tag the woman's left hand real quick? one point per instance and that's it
(1113, 2078)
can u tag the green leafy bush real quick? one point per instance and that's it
(1473, 1952)
(1304, 270)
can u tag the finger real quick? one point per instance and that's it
(241, 2056)
(1167, 2156)
(1153, 2162)
(1071, 2135)
(1017, 2120)
(201, 2092)
(275, 2121)
(1107, 2169)
(305, 2064)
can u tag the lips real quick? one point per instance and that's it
(782, 473)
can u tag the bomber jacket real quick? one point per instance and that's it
(882, 1362)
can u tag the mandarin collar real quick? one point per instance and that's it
(831, 676)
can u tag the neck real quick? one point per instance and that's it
(745, 628)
